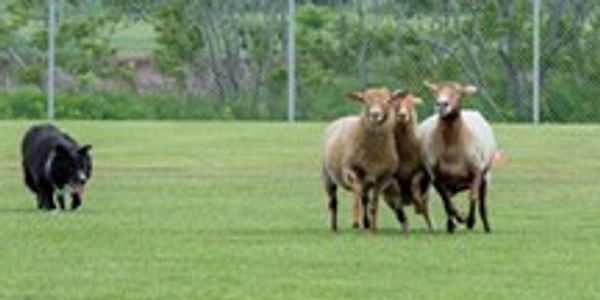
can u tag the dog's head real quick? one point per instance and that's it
(71, 167)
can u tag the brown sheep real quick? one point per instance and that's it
(359, 154)
(411, 176)
(458, 150)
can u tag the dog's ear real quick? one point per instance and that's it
(85, 149)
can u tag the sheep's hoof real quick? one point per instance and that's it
(470, 223)
(450, 226)
(334, 228)
(366, 223)
(355, 225)
(405, 228)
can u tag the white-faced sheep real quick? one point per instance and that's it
(458, 147)
(410, 174)
(359, 154)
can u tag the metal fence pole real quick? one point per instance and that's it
(536, 63)
(51, 46)
(291, 61)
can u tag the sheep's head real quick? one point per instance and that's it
(378, 105)
(449, 96)
(405, 107)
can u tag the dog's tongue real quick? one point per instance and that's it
(77, 189)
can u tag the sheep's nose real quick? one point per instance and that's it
(403, 117)
(376, 115)
(442, 107)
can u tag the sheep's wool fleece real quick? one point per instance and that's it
(335, 140)
(480, 151)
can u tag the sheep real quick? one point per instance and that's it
(410, 175)
(458, 147)
(359, 154)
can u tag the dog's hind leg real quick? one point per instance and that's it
(29, 181)
(45, 195)
(40, 200)
(47, 201)
(33, 186)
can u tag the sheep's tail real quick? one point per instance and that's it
(498, 157)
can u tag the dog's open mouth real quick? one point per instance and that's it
(77, 189)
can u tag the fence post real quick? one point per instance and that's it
(291, 61)
(536, 63)
(51, 46)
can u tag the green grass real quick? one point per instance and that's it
(138, 37)
(210, 210)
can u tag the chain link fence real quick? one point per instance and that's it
(229, 59)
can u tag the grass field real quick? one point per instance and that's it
(137, 37)
(201, 210)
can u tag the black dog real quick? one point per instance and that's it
(53, 161)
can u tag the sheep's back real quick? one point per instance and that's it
(481, 147)
(484, 142)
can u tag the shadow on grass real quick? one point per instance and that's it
(26, 210)
(14, 210)
(349, 232)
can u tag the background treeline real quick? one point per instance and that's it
(188, 59)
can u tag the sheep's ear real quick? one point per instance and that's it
(431, 86)
(356, 96)
(399, 95)
(411, 100)
(416, 100)
(469, 89)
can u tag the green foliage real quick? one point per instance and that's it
(341, 45)
(179, 38)
(82, 43)
(30, 103)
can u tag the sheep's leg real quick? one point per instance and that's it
(451, 209)
(419, 200)
(424, 210)
(356, 213)
(426, 217)
(357, 191)
(473, 199)
(387, 182)
(391, 195)
(450, 226)
(389, 200)
(364, 200)
(401, 216)
(482, 205)
(373, 208)
(331, 189)
(458, 216)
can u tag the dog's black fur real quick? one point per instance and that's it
(54, 162)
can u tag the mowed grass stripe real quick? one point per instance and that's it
(228, 210)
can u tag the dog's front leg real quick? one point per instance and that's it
(76, 201)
